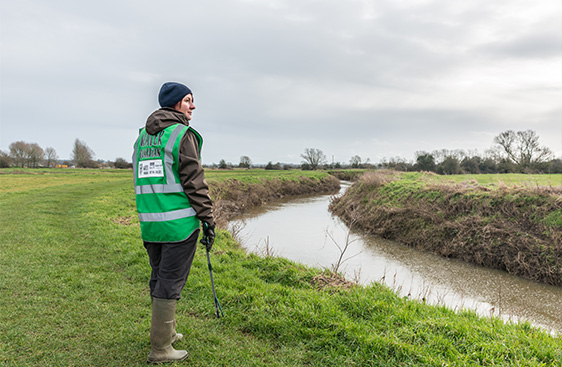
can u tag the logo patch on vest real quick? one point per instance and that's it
(151, 168)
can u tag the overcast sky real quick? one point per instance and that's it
(374, 78)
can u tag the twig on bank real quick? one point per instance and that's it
(343, 249)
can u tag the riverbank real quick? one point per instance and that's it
(75, 276)
(236, 191)
(513, 228)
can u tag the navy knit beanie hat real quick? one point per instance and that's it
(171, 93)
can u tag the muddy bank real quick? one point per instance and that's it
(232, 196)
(518, 230)
(347, 174)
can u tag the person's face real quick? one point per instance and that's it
(186, 106)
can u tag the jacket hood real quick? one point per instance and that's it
(164, 117)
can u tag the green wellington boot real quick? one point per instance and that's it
(161, 332)
(176, 337)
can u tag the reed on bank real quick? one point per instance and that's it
(75, 293)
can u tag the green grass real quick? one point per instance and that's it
(423, 185)
(12, 180)
(18, 179)
(74, 293)
(495, 180)
(258, 175)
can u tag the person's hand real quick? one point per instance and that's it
(208, 235)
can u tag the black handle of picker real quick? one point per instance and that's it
(218, 308)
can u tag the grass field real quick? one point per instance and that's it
(258, 175)
(74, 293)
(498, 180)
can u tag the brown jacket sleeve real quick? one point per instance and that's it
(192, 178)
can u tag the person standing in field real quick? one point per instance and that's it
(172, 198)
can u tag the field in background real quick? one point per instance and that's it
(258, 175)
(499, 180)
(17, 179)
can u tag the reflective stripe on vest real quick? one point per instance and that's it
(158, 189)
(166, 216)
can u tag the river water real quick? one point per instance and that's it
(304, 230)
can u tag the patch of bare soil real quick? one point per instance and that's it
(124, 221)
(332, 281)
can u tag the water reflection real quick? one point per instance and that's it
(303, 230)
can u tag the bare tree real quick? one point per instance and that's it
(507, 144)
(442, 154)
(5, 159)
(222, 164)
(245, 162)
(35, 156)
(531, 152)
(357, 162)
(522, 148)
(397, 164)
(51, 155)
(82, 155)
(26, 154)
(19, 152)
(313, 157)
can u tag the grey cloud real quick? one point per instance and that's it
(275, 76)
(534, 45)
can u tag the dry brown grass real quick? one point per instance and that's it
(124, 221)
(377, 178)
(332, 281)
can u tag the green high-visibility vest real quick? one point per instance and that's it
(165, 213)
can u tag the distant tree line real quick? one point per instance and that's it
(31, 155)
(512, 152)
(24, 154)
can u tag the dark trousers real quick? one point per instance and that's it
(170, 263)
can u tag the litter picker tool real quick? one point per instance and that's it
(205, 241)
